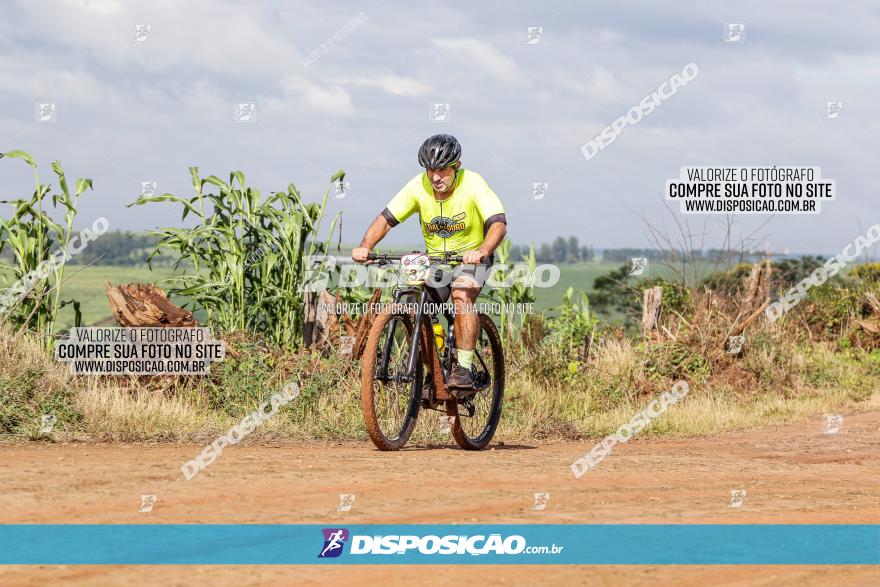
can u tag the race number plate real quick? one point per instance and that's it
(414, 268)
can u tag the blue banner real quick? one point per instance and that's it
(439, 544)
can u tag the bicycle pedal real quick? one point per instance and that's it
(482, 381)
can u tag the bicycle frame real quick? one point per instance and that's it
(421, 338)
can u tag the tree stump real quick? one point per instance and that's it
(310, 311)
(326, 334)
(145, 305)
(651, 303)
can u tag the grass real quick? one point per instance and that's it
(620, 380)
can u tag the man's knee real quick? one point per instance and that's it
(464, 300)
(465, 295)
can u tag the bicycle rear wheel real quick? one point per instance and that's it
(390, 404)
(474, 429)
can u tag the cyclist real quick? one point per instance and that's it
(460, 215)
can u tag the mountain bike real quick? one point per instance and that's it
(408, 358)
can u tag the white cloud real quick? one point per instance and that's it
(481, 55)
(153, 104)
(601, 84)
(393, 84)
(102, 7)
(218, 38)
(857, 69)
(50, 82)
(325, 99)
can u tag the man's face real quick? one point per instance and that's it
(442, 179)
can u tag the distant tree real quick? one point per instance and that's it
(560, 250)
(612, 291)
(515, 254)
(574, 251)
(544, 254)
(117, 248)
(624, 255)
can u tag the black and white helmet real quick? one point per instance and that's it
(439, 151)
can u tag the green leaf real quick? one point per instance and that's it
(21, 155)
(82, 184)
(196, 181)
(62, 180)
(163, 198)
(214, 180)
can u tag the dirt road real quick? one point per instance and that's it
(791, 474)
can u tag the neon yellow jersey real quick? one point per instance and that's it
(456, 224)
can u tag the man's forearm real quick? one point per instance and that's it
(493, 238)
(376, 232)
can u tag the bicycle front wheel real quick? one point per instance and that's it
(390, 401)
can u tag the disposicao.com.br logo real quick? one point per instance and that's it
(334, 541)
(430, 544)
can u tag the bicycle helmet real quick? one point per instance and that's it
(439, 151)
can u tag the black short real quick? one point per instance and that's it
(441, 282)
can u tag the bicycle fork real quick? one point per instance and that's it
(409, 372)
(416, 338)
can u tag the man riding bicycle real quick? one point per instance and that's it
(460, 215)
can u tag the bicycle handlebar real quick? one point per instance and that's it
(389, 258)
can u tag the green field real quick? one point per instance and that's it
(87, 285)
(579, 276)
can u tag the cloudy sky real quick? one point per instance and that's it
(129, 111)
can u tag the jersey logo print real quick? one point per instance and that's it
(444, 226)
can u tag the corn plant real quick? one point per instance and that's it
(573, 323)
(517, 288)
(246, 257)
(32, 237)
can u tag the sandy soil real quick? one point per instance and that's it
(792, 474)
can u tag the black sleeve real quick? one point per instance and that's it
(492, 220)
(387, 215)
